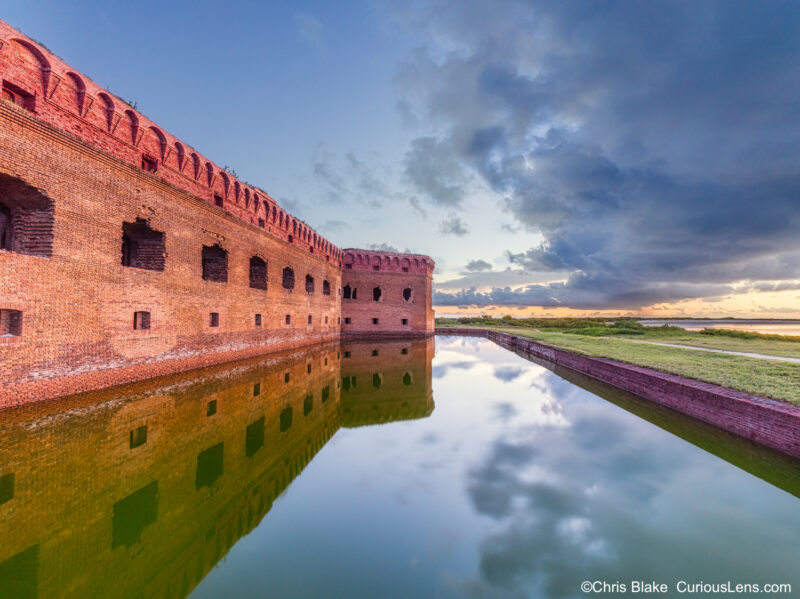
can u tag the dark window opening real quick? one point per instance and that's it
(288, 319)
(150, 164)
(309, 319)
(26, 219)
(261, 223)
(374, 321)
(374, 352)
(141, 321)
(348, 266)
(291, 239)
(405, 269)
(19, 96)
(218, 201)
(209, 466)
(138, 436)
(258, 320)
(215, 264)
(308, 368)
(347, 354)
(326, 320)
(376, 267)
(10, 323)
(6, 487)
(211, 407)
(347, 292)
(258, 273)
(256, 389)
(213, 320)
(133, 514)
(404, 351)
(376, 294)
(404, 321)
(286, 377)
(286, 419)
(326, 288)
(288, 278)
(406, 379)
(308, 404)
(326, 393)
(309, 284)
(407, 293)
(348, 382)
(376, 381)
(142, 247)
(347, 320)
(254, 437)
(338, 320)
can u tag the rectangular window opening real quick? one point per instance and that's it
(10, 323)
(211, 407)
(213, 319)
(374, 321)
(258, 320)
(138, 436)
(141, 321)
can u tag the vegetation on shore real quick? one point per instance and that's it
(628, 341)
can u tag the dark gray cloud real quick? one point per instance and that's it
(433, 169)
(453, 225)
(477, 266)
(653, 146)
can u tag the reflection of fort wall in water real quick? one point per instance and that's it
(146, 487)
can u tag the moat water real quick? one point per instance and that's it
(368, 470)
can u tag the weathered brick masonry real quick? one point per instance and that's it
(386, 294)
(765, 421)
(125, 254)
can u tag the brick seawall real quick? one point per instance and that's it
(762, 420)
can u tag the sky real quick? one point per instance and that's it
(554, 158)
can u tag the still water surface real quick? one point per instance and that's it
(333, 473)
(773, 327)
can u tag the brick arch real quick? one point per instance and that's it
(80, 90)
(195, 165)
(226, 182)
(246, 198)
(209, 173)
(256, 203)
(237, 191)
(33, 50)
(133, 124)
(108, 105)
(180, 151)
(161, 140)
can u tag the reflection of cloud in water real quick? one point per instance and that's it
(441, 370)
(609, 498)
(508, 373)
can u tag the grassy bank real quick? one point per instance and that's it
(779, 380)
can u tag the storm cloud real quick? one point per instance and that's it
(652, 146)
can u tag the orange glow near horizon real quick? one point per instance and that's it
(761, 304)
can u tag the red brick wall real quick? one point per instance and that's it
(394, 274)
(73, 103)
(74, 168)
(78, 304)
